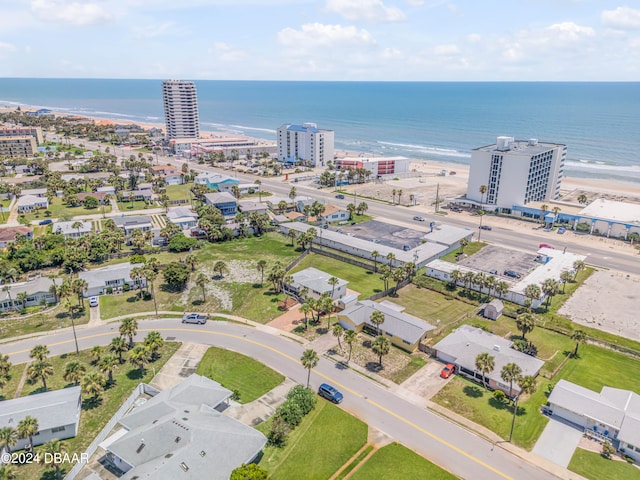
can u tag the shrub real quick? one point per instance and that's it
(47, 213)
(249, 472)
(109, 290)
(176, 275)
(304, 397)
(126, 287)
(181, 243)
(525, 346)
(608, 450)
(583, 227)
(291, 413)
(500, 396)
(278, 432)
(137, 258)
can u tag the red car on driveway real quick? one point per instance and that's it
(448, 370)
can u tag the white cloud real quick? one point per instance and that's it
(373, 11)
(226, 52)
(391, 54)
(624, 18)
(319, 35)
(446, 50)
(569, 31)
(7, 47)
(80, 12)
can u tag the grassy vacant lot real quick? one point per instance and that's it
(251, 379)
(256, 303)
(594, 466)
(363, 281)
(270, 247)
(58, 209)
(179, 192)
(41, 322)
(128, 302)
(94, 417)
(330, 433)
(398, 462)
(135, 205)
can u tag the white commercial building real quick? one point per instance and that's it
(305, 142)
(515, 172)
(378, 166)
(180, 109)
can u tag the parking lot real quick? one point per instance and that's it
(500, 259)
(385, 234)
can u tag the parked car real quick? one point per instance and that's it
(485, 227)
(561, 230)
(546, 245)
(406, 248)
(340, 196)
(493, 271)
(93, 302)
(448, 370)
(455, 209)
(46, 221)
(325, 226)
(512, 274)
(330, 393)
(418, 219)
(198, 318)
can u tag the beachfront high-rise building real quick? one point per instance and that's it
(180, 109)
(515, 172)
(305, 142)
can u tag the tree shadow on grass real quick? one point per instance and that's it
(473, 391)
(91, 403)
(373, 367)
(499, 405)
(256, 285)
(135, 374)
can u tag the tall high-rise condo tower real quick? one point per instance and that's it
(180, 109)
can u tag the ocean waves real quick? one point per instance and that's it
(425, 149)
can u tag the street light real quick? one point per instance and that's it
(75, 337)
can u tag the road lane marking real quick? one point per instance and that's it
(289, 357)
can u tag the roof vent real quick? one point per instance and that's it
(184, 467)
(141, 446)
(202, 453)
(178, 439)
(168, 455)
(496, 348)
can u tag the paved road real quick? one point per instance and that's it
(454, 448)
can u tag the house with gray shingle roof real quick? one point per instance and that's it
(403, 330)
(68, 230)
(36, 290)
(317, 283)
(99, 280)
(57, 412)
(613, 413)
(465, 343)
(180, 433)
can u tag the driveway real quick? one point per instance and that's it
(423, 384)
(558, 442)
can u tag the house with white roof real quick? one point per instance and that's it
(181, 433)
(57, 413)
(183, 217)
(37, 290)
(612, 414)
(71, 230)
(317, 283)
(29, 203)
(115, 277)
(216, 181)
(403, 330)
(133, 222)
(462, 346)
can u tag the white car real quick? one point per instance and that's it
(198, 318)
(93, 302)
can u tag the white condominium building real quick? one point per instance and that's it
(305, 142)
(180, 109)
(516, 172)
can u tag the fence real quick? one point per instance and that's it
(379, 295)
(296, 261)
(178, 202)
(141, 389)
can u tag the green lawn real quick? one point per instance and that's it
(94, 418)
(58, 209)
(469, 250)
(271, 247)
(256, 303)
(9, 389)
(128, 302)
(43, 322)
(398, 462)
(126, 205)
(363, 281)
(594, 466)
(179, 192)
(250, 378)
(324, 441)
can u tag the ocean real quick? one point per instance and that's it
(443, 121)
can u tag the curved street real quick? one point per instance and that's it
(443, 442)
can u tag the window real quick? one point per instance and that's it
(57, 429)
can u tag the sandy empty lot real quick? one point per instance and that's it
(608, 301)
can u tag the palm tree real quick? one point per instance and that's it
(399, 196)
(390, 259)
(532, 292)
(150, 275)
(550, 287)
(22, 298)
(377, 318)
(350, 337)
(578, 336)
(5, 365)
(8, 438)
(93, 385)
(192, 260)
(139, 357)
(393, 192)
(309, 360)
(333, 281)
(582, 199)
(501, 288)
(456, 276)
(381, 346)
(54, 449)
(565, 277)
(326, 305)
(73, 372)
(485, 364)
(129, 328)
(578, 266)
(482, 190)
(510, 373)
(7, 290)
(201, 281)
(154, 342)
(107, 365)
(337, 332)
(118, 346)
(40, 369)
(221, 268)
(8, 472)
(527, 386)
(544, 208)
(375, 254)
(526, 322)
(27, 428)
(39, 352)
(261, 265)
(79, 287)
(96, 353)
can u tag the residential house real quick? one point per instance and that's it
(465, 343)
(216, 181)
(295, 216)
(317, 283)
(613, 414)
(243, 188)
(37, 290)
(144, 194)
(110, 189)
(100, 196)
(169, 173)
(36, 192)
(29, 203)
(297, 204)
(225, 202)
(333, 213)
(181, 433)
(113, 276)
(68, 230)
(133, 222)
(403, 330)
(8, 234)
(249, 206)
(183, 217)
(57, 413)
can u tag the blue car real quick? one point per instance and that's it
(330, 393)
(561, 230)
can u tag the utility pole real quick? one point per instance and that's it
(437, 197)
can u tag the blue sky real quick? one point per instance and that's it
(417, 40)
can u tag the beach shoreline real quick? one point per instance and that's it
(452, 184)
